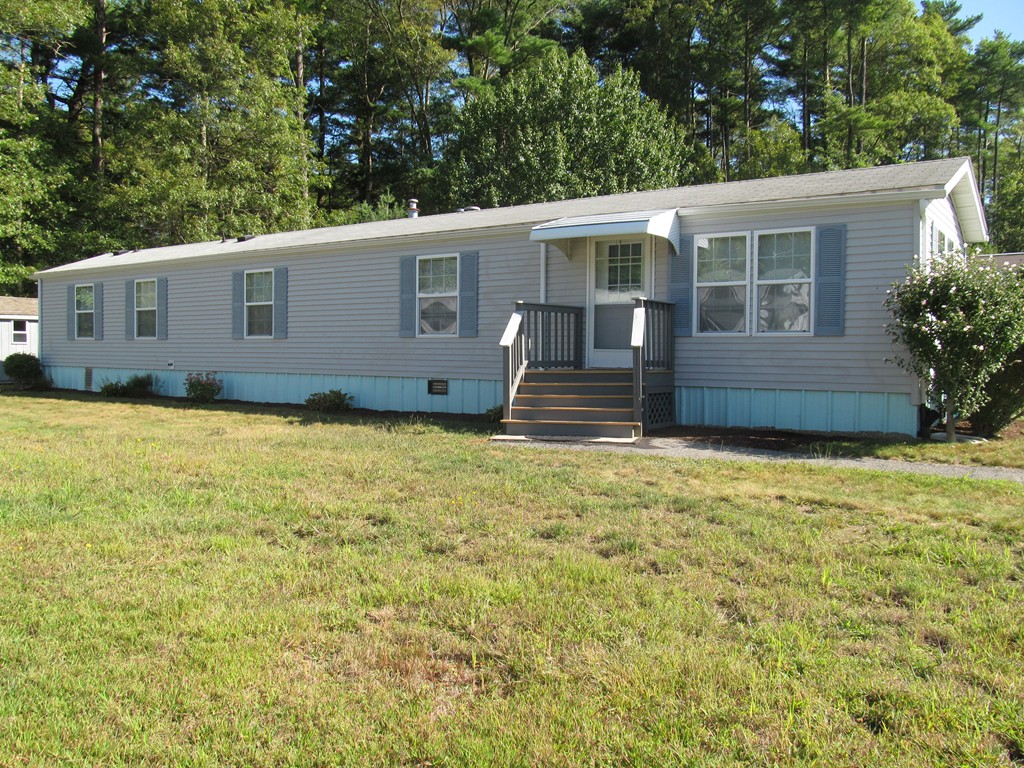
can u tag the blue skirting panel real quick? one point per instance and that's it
(378, 393)
(803, 410)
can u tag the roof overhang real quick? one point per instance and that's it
(963, 191)
(661, 223)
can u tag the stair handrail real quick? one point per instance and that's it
(637, 341)
(514, 360)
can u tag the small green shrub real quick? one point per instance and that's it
(331, 401)
(495, 414)
(203, 387)
(25, 370)
(1005, 392)
(139, 385)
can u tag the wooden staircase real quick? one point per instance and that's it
(595, 402)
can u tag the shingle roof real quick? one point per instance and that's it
(15, 305)
(932, 176)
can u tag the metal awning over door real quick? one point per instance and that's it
(661, 223)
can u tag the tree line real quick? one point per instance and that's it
(133, 123)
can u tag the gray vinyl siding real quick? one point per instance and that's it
(944, 217)
(343, 313)
(880, 243)
(343, 310)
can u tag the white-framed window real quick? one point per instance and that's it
(259, 303)
(784, 265)
(754, 283)
(19, 332)
(85, 311)
(722, 284)
(619, 271)
(437, 295)
(145, 309)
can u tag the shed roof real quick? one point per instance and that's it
(931, 179)
(18, 307)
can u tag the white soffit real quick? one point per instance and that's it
(662, 223)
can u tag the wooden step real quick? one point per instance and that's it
(568, 388)
(571, 414)
(579, 376)
(619, 429)
(574, 400)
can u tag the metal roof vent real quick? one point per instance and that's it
(243, 238)
(413, 211)
(471, 208)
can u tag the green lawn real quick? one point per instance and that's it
(247, 586)
(1007, 450)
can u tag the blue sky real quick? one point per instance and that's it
(1007, 15)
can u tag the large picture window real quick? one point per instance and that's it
(85, 311)
(755, 284)
(145, 309)
(259, 303)
(437, 294)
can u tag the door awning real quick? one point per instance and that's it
(663, 223)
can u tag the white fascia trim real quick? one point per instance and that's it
(963, 191)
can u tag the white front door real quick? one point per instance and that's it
(620, 270)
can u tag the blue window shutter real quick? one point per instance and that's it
(469, 280)
(830, 281)
(129, 310)
(97, 303)
(680, 286)
(71, 313)
(161, 307)
(281, 303)
(238, 305)
(407, 296)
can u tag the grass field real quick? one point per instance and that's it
(246, 586)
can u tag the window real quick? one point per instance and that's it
(259, 303)
(20, 332)
(767, 290)
(145, 309)
(784, 282)
(619, 272)
(722, 268)
(437, 293)
(84, 311)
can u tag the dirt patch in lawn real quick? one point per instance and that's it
(764, 439)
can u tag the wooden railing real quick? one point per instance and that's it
(653, 345)
(555, 334)
(541, 336)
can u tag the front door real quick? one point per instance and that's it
(619, 272)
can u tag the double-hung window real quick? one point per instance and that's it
(722, 283)
(259, 303)
(755, 284)
(437, 295)
(784, 264)
(145, 309)
(85, 315)
(19, 332)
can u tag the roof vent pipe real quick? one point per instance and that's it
(471, 208)
(413, 211)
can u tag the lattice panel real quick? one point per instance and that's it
(659, 409)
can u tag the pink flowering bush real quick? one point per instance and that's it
(956, 325)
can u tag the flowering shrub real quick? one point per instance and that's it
(957, 323)
(203, 387)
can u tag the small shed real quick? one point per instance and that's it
(19, 327)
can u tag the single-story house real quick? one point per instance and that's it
(19, 328)
(750, 303)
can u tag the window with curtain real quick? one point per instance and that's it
(437, 291)
(722, 282)
(783, 281)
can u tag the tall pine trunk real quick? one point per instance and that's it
(98, 76)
